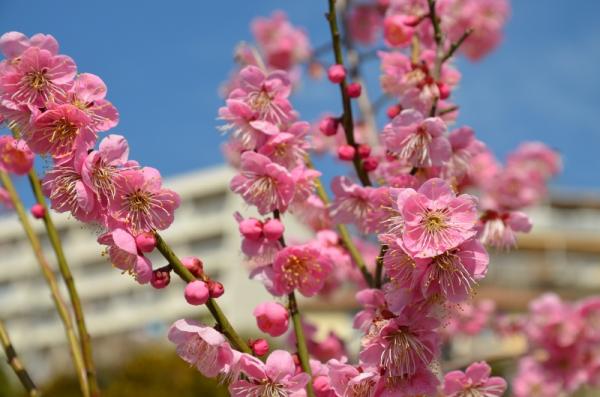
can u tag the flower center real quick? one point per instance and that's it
(260, 101)
(404, 353)
(103, 176)
(63, 132)
(37, 79)
(139, 201)
(295, 271)
(434, 221)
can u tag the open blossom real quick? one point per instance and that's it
(296, 267)
(436, 220)
(15, 155)
(275, 377)
(67, 192)
(513, 189)
(404, 346)
(201, 346)
(101, 167)
(487, 19)
(464, 146)
(13, 44)
(537, 158)
(88, 94)
(418, 140)
(141, 203)
(283, 44)
(258, 106)
(454, 273)
(263, 183)
(352, 203)
(497, 229)
(38, 77)
(475, 381)
(124, 255)
(60, 131)
(532, 381)
(349, 381)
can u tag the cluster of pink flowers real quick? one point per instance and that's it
(411, 243)
(431, 231)
(563, 347)
(59, 113)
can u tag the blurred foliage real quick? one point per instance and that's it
(151, 373)
(5, 384)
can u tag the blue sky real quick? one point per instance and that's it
(163, 63)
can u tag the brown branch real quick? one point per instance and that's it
(15, 363)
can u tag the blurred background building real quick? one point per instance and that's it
(562, 253)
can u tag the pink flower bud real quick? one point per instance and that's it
(145, 242)
(354, 90)
(444, 90)
(336, 73)
(196, 293)
(273, 229)
(370, 164)
(160, 278)
(38, 211)
(346, 152)
(329, 126)
(364, 150)
(396, 31)
(271, 318)
(260, 347)
(251, 228)
(194, 265)
(215, 289)
(393, 111)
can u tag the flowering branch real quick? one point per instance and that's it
(347, 119)
(223, 323)
(48, 274)
(15, 363)
(65, 271)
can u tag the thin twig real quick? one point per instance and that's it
(48, 274)
(223, 323)
(15, 363)
(456, 45)
(65, 271)
(347, 119)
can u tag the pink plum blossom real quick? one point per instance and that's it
(275, 377)
(141, 203)
(498, 229)
(258, 107)
(13, 44)
(418, 140)
(67, 192)
(364, 22)
(124, 255)
(88, 94)
(283, 44)
(349, 381)
(296, 267)
(201, 346)
(38, 77)
(15, 155)
(101, 167)
(61, 131)
(436, 220)
(476, 380)
(263, 183)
